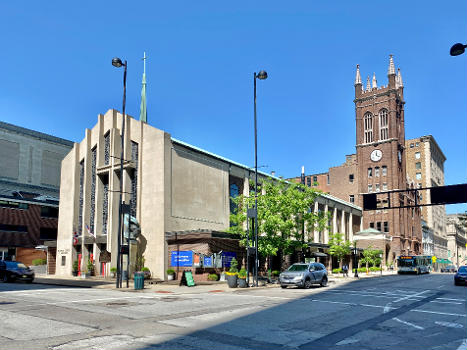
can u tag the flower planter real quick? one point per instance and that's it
(242, 283)
(171, 277)
(74, 273)
(231, 280)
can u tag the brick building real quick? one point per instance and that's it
(379, 165)
(425, 165)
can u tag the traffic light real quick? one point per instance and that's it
(135, 229)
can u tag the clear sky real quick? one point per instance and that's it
(57, 74)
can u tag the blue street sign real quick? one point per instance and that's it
(181, 258)
(227, 258)
(208, 261)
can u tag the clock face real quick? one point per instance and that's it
(376, 155)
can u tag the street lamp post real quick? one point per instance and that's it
(261, 75)
(117, 62)
(355, 251)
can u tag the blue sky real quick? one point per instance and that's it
(57, 76)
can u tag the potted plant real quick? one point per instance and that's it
(232, 274)
(113, 272)
(90, 267)
(74, 269)
(170, 274)
(242, 278)
(147, 273)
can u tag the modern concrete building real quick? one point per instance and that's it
(457, 239)
(179, 194)
(425, 165)
(29, 189)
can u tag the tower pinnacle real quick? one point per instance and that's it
(368, 86)
(391, 69)
(399, 78)
(358, 78)
(374, 83)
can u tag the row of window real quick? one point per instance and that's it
(45, 233)
(412, 145)
(380, 226)
(383, 126)
(384, 171)
(46, 212)
(384, 187)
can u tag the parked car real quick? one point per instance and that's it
(15, 270)
(449, 268)
(461, 276)
(304, 275)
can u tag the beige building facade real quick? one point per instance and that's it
(425, 166)
(457, 239)
(173, 189)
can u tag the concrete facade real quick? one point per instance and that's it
(171, 187)
(425, 166)
(457, 239)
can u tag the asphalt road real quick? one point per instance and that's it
(392, 312)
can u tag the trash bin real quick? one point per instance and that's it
(139, 280)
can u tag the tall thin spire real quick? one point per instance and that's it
(374, 83)
(391, 68)
(399, 78)
(143, 115)
(358, 78)
(368, 86)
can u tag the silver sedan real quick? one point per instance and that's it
(304, 275)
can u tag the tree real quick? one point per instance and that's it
(371, 256)
(339, 247)
(284, 214)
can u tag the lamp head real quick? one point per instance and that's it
(262, 75)
(457, 49)
(117, 62)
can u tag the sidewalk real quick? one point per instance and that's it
(175, 288)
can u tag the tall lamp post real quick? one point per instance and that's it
(261, 75)
(117, 62)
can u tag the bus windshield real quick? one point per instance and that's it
(406, 263)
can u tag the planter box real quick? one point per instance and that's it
(231, 280)
(242, 283)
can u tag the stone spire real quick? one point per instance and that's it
(399, 78)
(391, 69)
(358, 78)
(374, 84)
(368, 86)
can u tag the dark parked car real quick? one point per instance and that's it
(449, 268)
(304, 275)
(14, 270)
(461, 276)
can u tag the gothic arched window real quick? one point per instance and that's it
(383, 125)
(368, 127)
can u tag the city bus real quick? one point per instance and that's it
(414, 264)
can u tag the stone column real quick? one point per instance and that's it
(334, 221)
(350, 227)
(326, 230)
(343, 224)
(315, 229)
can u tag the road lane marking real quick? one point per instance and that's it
(439, 313)
(408, 323)
(449, 324)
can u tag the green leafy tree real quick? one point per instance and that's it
(284, 216)
(339, 247)
(371, 256)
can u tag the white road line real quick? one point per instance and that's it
(449, 324)
(452, 299)
(439, 313)
(333, 302)
(408, 323)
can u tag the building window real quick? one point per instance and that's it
(47, 234)
(352, 198)
(351, 178)
(308, 181)
(418, 165)
(418, 176)
(315, 180)
(417, 144)
(107, 148)
(370, 188)
(81, 197)
(377, 171)
(372, 224)
(63, 260)
(13, 205)
(376, 187)
(93, 189)
(134, 179)
(328, 179)
(386, 226)
(385, 186)
(233, 193)
(384, 170)
(49, 212)
(370, 172)
(417, 155)
(378, 225)
(383, 125)
(13, 228)
(411, 145)
(368, 127)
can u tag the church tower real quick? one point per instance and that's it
(380, 136)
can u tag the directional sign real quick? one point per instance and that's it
(433, 259)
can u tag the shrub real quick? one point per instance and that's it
(276, 273)
(213, 277)
(375, 269)
(147, 273)
(75, 265)
(360, 269)
(169, 271)
(336, 271)
(37, 262)
(233, 265)
(242, 273)
(113, 269)
(144, 269)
